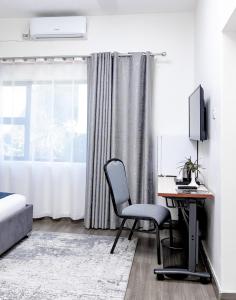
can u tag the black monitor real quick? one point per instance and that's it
(197, 116)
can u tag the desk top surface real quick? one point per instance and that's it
(167, 188)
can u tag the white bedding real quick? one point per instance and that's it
(11, 204)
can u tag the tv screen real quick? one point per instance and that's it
(197, 115)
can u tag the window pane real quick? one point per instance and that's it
(63, 102)
(41, 130)
(82, 109)
(81, 123)
(13, 101)
(13, 140)
(52, 111)
(63, 115)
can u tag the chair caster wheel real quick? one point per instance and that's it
(205, 280)
(160, 277)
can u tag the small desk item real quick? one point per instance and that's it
(186, 187)
(182, 198)
(182, 182)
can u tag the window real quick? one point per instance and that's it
(44, 120)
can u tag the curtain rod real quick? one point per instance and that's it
(65, 57)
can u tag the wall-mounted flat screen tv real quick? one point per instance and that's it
(197, 116)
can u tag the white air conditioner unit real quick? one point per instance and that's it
(57, 27)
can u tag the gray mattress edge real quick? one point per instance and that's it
(15, 227)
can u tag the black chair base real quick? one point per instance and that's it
(132, 230)
(117, 236)
(131, 234)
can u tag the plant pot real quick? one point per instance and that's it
(193, 179)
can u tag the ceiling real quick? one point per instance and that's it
(32, 8)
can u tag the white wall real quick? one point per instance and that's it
(216, 70)
(228, 162)
(172, 33)
(207, 72)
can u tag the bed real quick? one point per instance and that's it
(16, 219)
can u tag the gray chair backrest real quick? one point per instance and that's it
(116, 176)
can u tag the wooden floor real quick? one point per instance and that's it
(142, 282)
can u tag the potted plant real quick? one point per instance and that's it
(192, 168)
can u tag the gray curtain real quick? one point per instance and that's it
(119, 125)
(97, 205)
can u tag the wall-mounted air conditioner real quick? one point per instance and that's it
(57, 27)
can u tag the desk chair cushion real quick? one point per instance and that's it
(150, 211)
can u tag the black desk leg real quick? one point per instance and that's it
(192, 236)
(192, 251)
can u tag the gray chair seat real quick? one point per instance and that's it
(156, 212)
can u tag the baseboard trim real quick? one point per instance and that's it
(210, 270)
(215, 283)
(227, 296)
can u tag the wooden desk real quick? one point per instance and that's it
(168, 189)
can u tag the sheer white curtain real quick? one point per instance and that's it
(43, 117)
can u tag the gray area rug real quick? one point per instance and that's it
(64, 266)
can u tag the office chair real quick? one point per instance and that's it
(116, 177)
